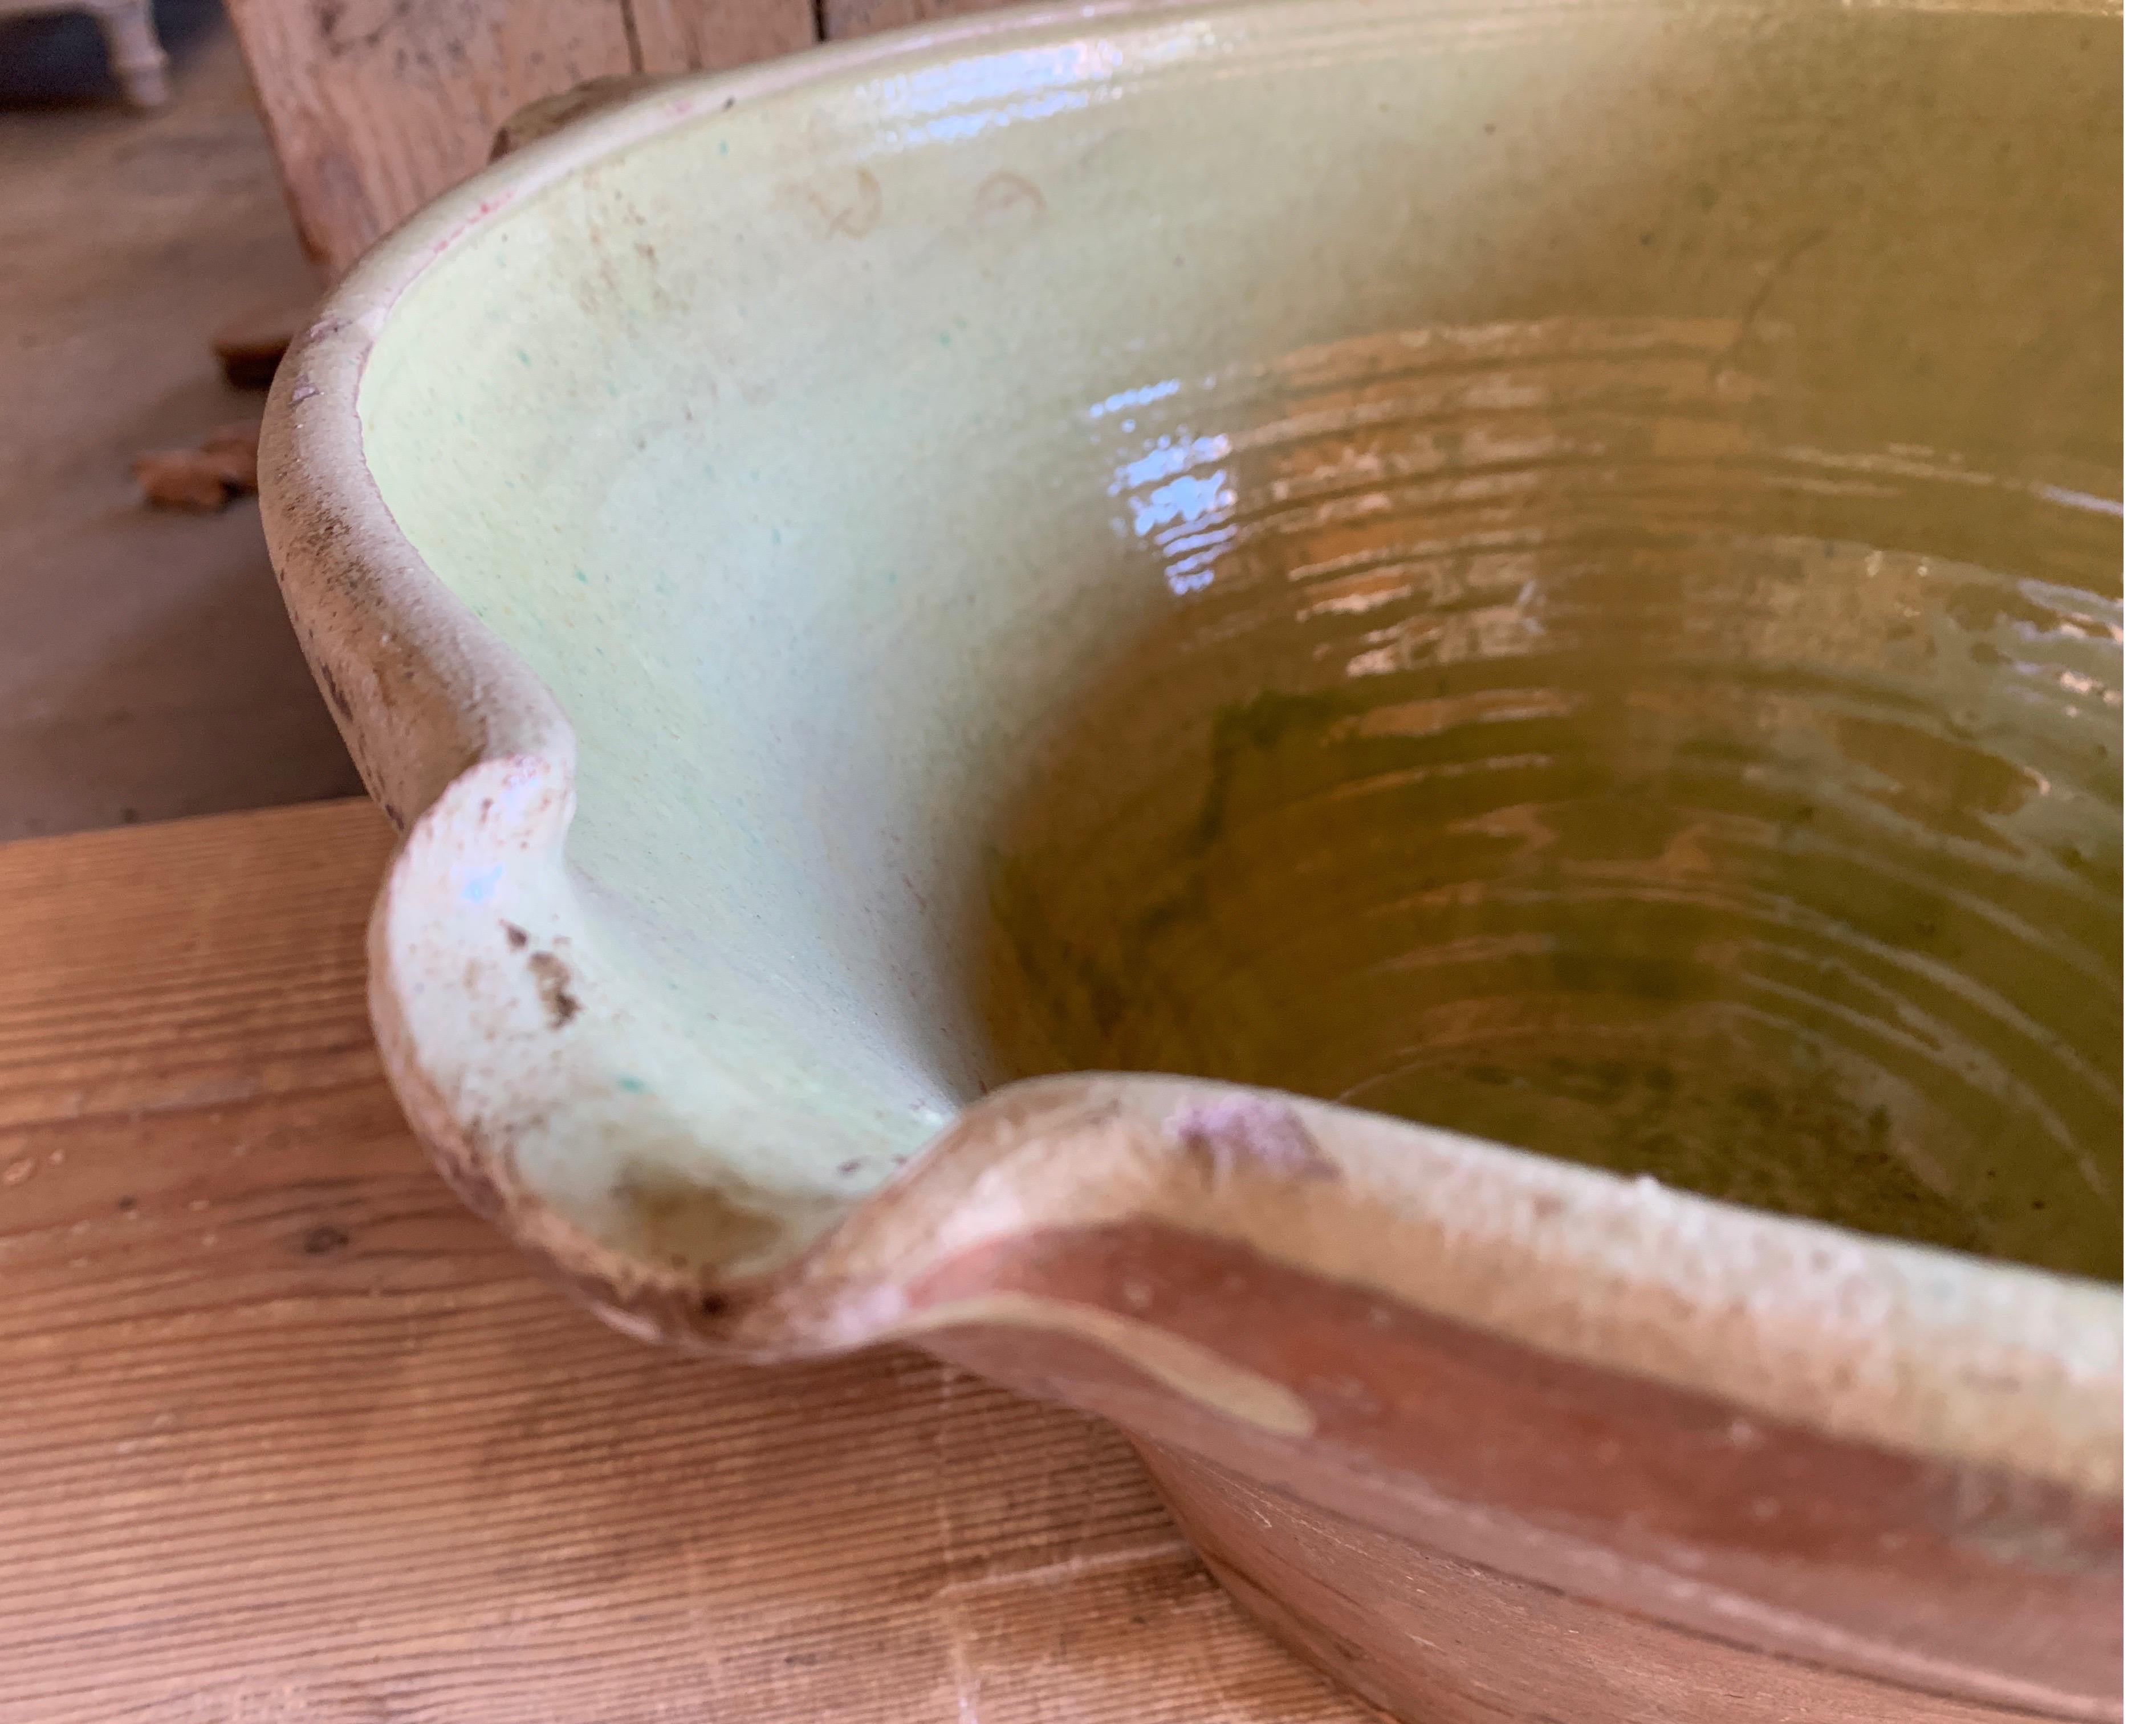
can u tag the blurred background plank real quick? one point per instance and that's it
(376, 106)
(705, 35)
(857, 18)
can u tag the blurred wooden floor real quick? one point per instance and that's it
(146, 668)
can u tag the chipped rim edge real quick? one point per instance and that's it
(469, 712)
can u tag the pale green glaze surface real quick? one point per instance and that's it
(1555, 572)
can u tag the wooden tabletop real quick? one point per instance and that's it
(286, 1434)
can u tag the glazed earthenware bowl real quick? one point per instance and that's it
(1381, 734)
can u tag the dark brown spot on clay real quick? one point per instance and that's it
(126, 1204)
(553, 979)
(517, 938)
(322, 1240)
(339, 700)
(712, 1304)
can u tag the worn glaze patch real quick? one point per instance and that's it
(1174, 1361)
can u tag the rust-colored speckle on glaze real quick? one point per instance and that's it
(875, 583)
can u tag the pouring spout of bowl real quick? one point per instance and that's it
(1397, 1326)
(705, 1198)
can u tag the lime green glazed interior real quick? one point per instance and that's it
(1552, 571)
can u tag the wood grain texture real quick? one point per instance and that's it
(690, 35)
(375, 106)
(858, 17)
(288, 1435)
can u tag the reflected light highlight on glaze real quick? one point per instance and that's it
(1531, 743)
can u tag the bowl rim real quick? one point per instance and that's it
(1973, 1361)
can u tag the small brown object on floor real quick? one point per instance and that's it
(204, 479)
(182, 478)
(249, 347)
(232, 447)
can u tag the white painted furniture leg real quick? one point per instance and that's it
(131, 44)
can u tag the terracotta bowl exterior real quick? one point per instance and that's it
(1381, 735)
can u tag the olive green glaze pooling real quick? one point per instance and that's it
(1788, 532)
(1547, 744)
(1550, 568)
